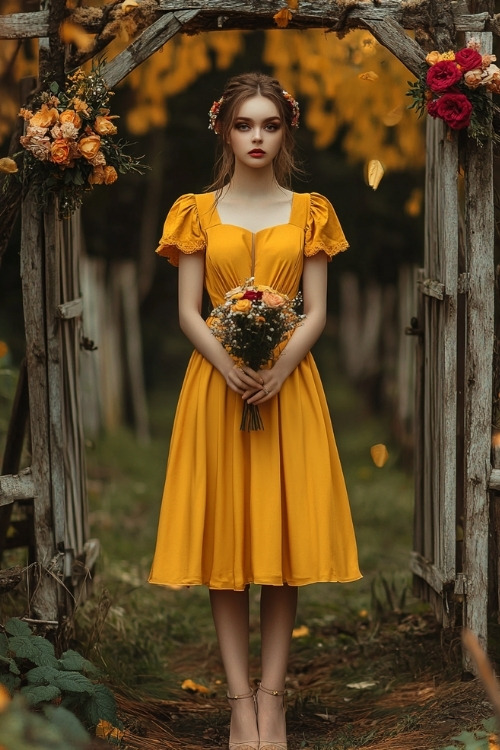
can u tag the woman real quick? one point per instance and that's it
(267, 506)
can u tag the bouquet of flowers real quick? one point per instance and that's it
(454, 86)
(69, 144)
(250, 324)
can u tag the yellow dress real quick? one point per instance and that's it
(267, 506)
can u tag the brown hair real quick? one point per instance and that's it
(238, 89)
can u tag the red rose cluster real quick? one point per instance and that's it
(450, 79)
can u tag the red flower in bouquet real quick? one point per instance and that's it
(442, 75)
(455, 109)
(250, 324)
(469, 58)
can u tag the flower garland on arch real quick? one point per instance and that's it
(455, 87)
(69, 143)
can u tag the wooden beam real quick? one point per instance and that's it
(147, 44)
(479, 237)
(426, 569)
(432, 288)
(258, 14)
(72, 309)
(16, 487)
(494, 482)
(391, 34)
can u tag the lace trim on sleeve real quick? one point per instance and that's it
(331, 249)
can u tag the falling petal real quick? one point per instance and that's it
(374, 173)
(379, 454)
(72, 33)
(393, 116)
(369, 75)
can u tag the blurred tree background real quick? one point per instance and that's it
(354, 110)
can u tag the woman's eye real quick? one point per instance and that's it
(241, 126)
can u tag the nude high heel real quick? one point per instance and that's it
(269, 744)
(254, 745)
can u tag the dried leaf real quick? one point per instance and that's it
(194, 687)
(73, 33)
(393, 116)
(293, 4)
(327, 717)
(107, 731)
(129, 5)
(364, 685)
(379, 454)
(369, 75)
(374, 173)
(300, 632)
(283, 17)
(8, 165)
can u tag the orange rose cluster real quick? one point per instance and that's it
(69, 141)
(62, 137)
(454, 88)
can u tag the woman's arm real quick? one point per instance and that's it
(191, 278)
(314, 285)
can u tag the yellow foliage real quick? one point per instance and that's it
(353, 85)
(379, 454)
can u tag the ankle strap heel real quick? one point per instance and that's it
(267, 744)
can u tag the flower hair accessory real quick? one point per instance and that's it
(213, 114)
(294, 107)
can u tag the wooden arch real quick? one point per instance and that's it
(455, 322)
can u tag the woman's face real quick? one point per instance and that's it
(257, 132)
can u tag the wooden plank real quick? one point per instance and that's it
(494, 481)
(391, 34)
(479, 228)
(430, 573)
(16, 487)
(44, 602)
(154, 37)
(72, 309)
(56, 448)
(258, 14)
(432, 288)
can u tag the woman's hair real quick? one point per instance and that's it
(238, 89)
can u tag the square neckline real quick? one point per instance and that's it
(264, 229)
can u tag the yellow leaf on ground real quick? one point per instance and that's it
(300, 632)
(379, 454)
(374, 173)
(194, 687)
(108, 731)
(283, 17)
(369, 75)
(8, 165)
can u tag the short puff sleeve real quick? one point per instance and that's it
(323, 230)
(182, 231)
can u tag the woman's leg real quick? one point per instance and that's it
(230, 610)
(278, 606)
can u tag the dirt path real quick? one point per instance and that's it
(386, 688)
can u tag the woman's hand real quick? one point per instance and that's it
(244, 380)
(269, 386)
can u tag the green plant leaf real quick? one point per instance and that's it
(42, 675)
(490, 725)
(34, 648)
(101, 705)
(71, 728)
(7, 661)
(4, 644)
(36, 694)
(10, 681)
(74, 682)
(15, 626)
(72, 661)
